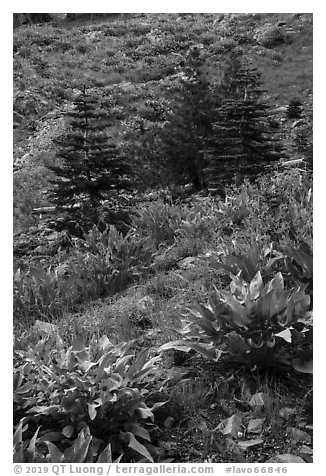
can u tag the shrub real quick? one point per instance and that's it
(294, 109)
(271, 36)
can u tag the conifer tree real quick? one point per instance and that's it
(188, 123)
(90, 164)
(242, 141)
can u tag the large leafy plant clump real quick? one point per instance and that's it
(108, 261)
(277, 207)
(100, 264)
(82, 404)
(260, 325)
(298, 263)
(157, 221)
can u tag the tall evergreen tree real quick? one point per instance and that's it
(243, 141)
(90, 164)
(188, 123)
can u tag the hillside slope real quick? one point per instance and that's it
(133, 60)
(201, 309)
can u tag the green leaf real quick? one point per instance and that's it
(239, 316)
(44, 410)
(18, 435)
(203, 311)
(80, 455)
(26, 388)
(237, 343)
(135, 445)
(186, 346)
(118, 459)
(86, 365)
(55, 455)
(303, 365)
(207, 327)
(276, 283)
(138, 430)
(289, 313)
(157, 405)
(256, 285)
(265, 306)
(17, 380)
(92, 410)
(277, 303)
(32, 443)
(106, 455)
(138, 363)
(211, 353)
(18, 456)
(181, 345)
(121, 363)
(51, 436)
(104, 343)
(151, 362)
(145, 413)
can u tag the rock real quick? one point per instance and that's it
(232, 446)
(231, 426)
(169, 422)
(44, 328)
(145, 303)
(287, 412)
(249, 444)
(256, 425)
(285, 458)
(299, 436)
(281, 109)
(188, 263)
(257, 401)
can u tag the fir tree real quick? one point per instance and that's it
(188, 123)
(91, 165)
(242, 142)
